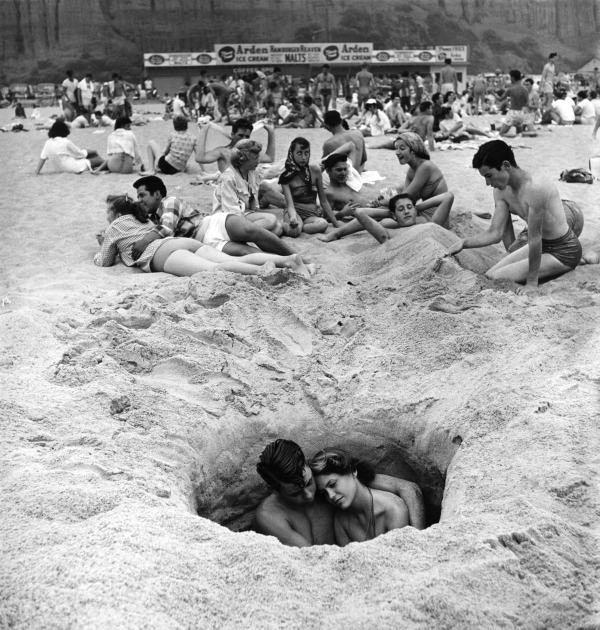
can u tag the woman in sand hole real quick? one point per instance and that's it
(175, 255)
(361, 512)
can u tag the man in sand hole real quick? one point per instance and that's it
(296, 515)
(552, 249)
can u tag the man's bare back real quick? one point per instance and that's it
(358, 155)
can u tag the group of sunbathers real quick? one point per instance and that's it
(250, 215)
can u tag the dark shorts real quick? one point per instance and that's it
(566, 249)
(165, 167)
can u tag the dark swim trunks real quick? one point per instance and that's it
(566, 249)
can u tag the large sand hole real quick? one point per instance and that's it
(230, 494)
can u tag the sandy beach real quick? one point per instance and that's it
(134, 407)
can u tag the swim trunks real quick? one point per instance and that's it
(566, 249)
(212, 230)
(574, 218)
(166, 167)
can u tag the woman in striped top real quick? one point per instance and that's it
(175, 255)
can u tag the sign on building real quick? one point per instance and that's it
(281, 54)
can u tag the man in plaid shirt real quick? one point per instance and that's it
(171, 216)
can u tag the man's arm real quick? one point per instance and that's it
(409, 492)
(207, 157)
(492, 235)
(268, 156)
(534, 240)
(429, 134)
(442, 204)
(273, 523)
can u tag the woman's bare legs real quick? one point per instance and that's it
(186, 263)
(153, 154)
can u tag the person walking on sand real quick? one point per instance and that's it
(552, 248)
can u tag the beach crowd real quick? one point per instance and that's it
(262, 202)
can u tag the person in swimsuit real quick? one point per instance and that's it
(301, 182)
(552, 248)
(360, 513)
(423, 178)
(179, 256)
(296, 515)
(400, 212)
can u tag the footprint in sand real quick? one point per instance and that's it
(443, 305)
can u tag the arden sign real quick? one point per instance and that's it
(281, 54)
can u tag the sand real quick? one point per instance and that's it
(131, 402)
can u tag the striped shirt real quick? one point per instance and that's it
(119, 238)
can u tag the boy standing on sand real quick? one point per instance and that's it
(552, 249)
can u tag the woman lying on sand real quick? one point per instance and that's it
(122, 149)
(361, 513)
(301, 182)
(175, 255)
(63, 154)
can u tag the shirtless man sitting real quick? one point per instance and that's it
(350, 142)
(552, 248)
(240, 130)
(295, 515)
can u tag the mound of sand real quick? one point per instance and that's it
(133, 402)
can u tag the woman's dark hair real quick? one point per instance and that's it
(301, 142)
(124, 204)
(59, 129)
(340, 462)
(122, 121)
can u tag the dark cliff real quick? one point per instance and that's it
(40, 38)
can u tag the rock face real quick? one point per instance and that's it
(40, 39)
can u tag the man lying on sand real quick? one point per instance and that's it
(553, 248)
(293, 513)
(225, 231)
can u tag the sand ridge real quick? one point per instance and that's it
(131, 401)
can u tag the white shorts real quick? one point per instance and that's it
(212, 230)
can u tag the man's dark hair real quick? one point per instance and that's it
(333, 159)
(325, 66)
(515, 75)
(492, 154)
(582, 94)
(552, 55)
(332, 118)
(425, 105)
(447, 60)
(394, 199)
(593, 94)
(180, 123)
(241, 123)
(152, 183)
(281, 461)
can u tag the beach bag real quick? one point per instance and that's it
(577, 176)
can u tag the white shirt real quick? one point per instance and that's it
(377, 122)
(70, 87)
(123, 141)
(87, 91)
(178, 107)
(588, 111)
(564, 110)
(65, 156)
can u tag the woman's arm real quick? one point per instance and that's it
(443, 202)
(316, 173)
(40, 165)
(289, 203)
(108, 251)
